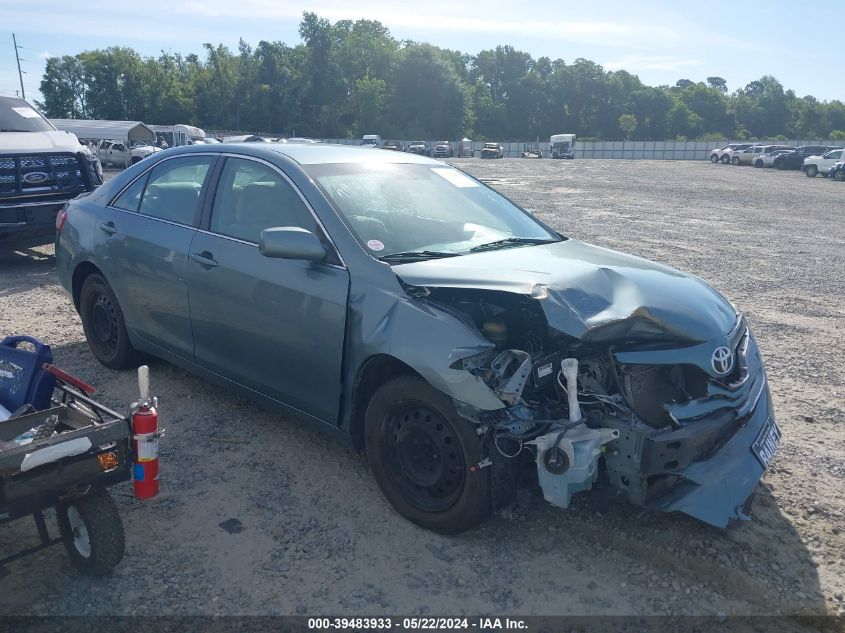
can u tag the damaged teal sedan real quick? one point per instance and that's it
(414, 312)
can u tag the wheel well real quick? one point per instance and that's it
(80, 274)
(375, 371)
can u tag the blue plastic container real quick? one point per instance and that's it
(22, 381)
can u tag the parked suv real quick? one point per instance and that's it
(795, 160)
(750, 154)
(768, 157)
(419, 147)
(40, 170)
(443, 149)
(723, 154)
(492, 150)
(813, 165)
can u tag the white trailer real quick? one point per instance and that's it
(562, 145)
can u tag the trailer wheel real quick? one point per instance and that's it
(92, 533)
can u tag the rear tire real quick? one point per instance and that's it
(92, 533)
(780, 164)
(758, 164)
(811, 171)
(420, 452)
(735, 161)
(725, 159)
(103, 324)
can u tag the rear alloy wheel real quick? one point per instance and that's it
(103, 324)
(714, 158)
(420, 452)
(811, 171)
(725, 159)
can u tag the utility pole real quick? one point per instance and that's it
(18, 59)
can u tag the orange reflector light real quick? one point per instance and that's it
(108, 461)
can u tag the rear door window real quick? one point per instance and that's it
(173, 189)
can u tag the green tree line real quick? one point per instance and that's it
(352, 78)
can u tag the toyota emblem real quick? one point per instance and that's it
(722, 360)
(35, 177)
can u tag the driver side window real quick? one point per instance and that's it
(252, 197)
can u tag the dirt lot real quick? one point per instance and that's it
(317, 536)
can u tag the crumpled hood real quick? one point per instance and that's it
(53, 141)
(591, 293)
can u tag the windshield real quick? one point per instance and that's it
(16, 115)
(430, 210)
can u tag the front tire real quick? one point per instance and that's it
(714, 158)
(420, 452)
(103, 324)
(811, 171)
(735, 161)
(758, 164)
(725, 159)
(92, 533)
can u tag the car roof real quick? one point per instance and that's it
(315, 153)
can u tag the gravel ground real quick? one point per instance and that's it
(317, 537)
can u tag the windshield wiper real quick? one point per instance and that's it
(417, 255)
(511, 241)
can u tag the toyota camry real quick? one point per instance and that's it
(418, 314)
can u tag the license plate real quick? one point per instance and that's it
(766, 444)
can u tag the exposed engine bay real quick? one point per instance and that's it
(576, 404)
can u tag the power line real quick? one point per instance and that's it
(18, 59)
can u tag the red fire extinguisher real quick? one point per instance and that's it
(145, 434)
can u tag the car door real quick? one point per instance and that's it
(829, 160)
(145, 255)
(273, 325)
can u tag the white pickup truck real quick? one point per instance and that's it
(115, 153)
(814, 165)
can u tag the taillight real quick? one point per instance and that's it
(61, 216)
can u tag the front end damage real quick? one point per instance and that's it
(631, 400)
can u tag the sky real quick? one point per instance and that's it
(659, 41)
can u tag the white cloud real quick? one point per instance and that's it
(45, 55)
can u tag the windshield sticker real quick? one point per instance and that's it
(455, 177)
(27, 113)
(375, 245)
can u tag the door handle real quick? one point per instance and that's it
(204, 259)
(108, 227)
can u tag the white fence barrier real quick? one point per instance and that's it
(631, 150)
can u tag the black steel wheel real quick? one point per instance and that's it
(102, 321)
(92, 533)
(421, 451)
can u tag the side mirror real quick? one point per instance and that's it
(291, 242)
